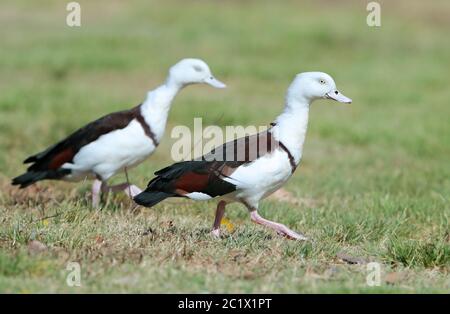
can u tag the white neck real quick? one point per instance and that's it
(155, 109)
(291, 126)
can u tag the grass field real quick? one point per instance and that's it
(374, 182)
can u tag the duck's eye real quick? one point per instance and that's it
(322, 81)
(197, 68)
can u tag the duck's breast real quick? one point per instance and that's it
(115, 150)
(263, 174)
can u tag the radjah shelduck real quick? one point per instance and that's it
(248, 169)
(117, 141)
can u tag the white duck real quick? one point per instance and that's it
(268, 160)
(118, 141)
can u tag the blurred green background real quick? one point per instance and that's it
(377, 172)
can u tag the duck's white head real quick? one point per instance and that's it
(192, 71)
(309, 86)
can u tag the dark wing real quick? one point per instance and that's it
(46, 164)
(206, 175)
(64, 151)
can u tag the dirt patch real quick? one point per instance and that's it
(35, 195)
(352, 260)
(36, 247)
(284, 195)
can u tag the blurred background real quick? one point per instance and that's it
(54, 78)
(386, 153)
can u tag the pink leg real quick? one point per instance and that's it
(132, 190)
(129, 189)
(96, 187)
(279, 228)
(219, 214)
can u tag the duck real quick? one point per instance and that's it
(118, 141)
(250, 168)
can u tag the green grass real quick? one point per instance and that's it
(374, 181)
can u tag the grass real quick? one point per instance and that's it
(374, 180)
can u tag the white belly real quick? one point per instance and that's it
(261, 177)
(113, 152)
